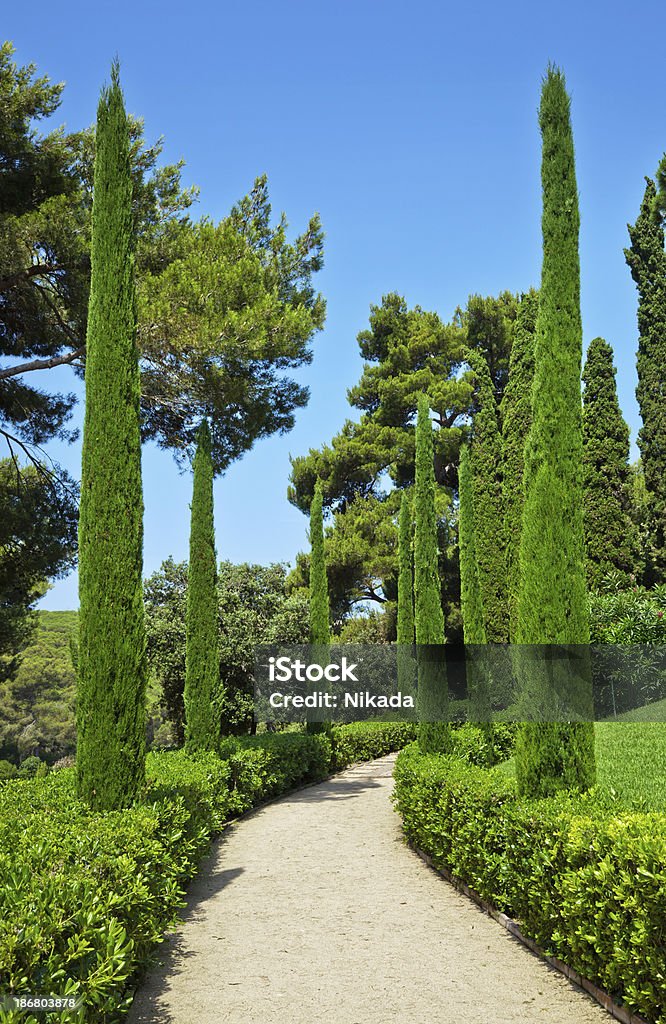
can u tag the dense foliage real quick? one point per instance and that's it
(647, 261)
(320, 630)
(37, 543)
(201, 657)
(552, 599)
(253, 608)
(486, 469)
(516, 417)
(611, 541)
(584, 877)
(432, 695)
(111, 713)
(37, 702)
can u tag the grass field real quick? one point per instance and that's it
(631, 761)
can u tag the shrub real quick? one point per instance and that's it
(586, 883)
(7, 770)
(29, 767)
(85, 895)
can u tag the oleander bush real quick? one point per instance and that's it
(585, 878)
(86, 895)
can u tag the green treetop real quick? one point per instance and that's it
(488, 511)
(552, 599)
(202, 666)
(111, 713)
(610, 535)
(516, 416)
(647, 262)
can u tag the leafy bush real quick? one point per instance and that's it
(586, 883)
(363, 741)
(636, 616)
(7, 770)
(29, 767)
(85, 896)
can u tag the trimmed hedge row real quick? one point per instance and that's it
(85, 897)
(587, 883)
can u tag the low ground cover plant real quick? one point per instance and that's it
(584, 875)
(85, 896)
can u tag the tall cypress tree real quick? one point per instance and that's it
(320, 631)
(552, 600)
(471, 600)
(111, 713)
(487, 494)
(610, 534)
(516, 416)
(202, 664)
(405, 624)
(647, 261)
(434, 731)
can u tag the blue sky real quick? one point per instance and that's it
(412, 129)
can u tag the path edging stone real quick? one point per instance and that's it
(602, 997)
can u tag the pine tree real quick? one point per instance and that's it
(516, 416)
(647, 261)
(610, 535)
(405, 623)
(320, 632)
(487, 499)
(434, 731)
(552, 600)
(111, 713)
(201, 652)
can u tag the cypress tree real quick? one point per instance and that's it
(111, 714)
(610, 534)
(405, 624)
(434, 732)
(647, 261)
(202, 667)
(516, 416)
(471, 600)
(552, 600)
(320, 634)
(319, 607)
(487, 499)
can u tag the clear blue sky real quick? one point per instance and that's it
(412, 129)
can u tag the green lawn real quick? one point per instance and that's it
(631, 760)
(631, 763)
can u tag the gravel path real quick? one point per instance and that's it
(313, 911)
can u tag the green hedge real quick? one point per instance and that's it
(364, 741)
(587, 883)
(85, 897)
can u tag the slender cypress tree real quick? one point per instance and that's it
(471, 600)
(434, 731)
(202, 664)
(320, 631)
(647, 262)
(405, 624)
(552, 601)
(486, 465)
(611, 541)
(111, 713)
(516, 416)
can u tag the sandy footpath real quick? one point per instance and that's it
(312, 909)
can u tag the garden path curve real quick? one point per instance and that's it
(312, 910)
